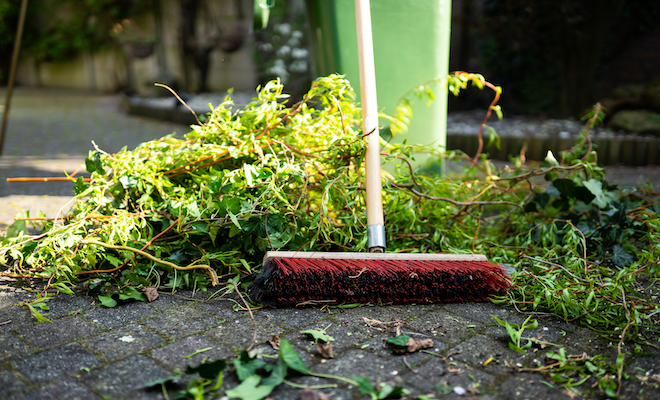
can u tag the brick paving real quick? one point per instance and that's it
(91, 352)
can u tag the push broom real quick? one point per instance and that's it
(289, 277)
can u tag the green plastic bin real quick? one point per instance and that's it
(411, 46)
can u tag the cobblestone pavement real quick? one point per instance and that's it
(92, 352)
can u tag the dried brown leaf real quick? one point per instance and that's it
(275, 342)
(151, 293)
(325, 351)
(415, 344)
(311, 394)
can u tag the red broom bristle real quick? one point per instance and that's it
(290, 281)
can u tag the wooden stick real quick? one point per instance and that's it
(369, 114)
(47, 179)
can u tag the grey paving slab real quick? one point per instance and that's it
(440, 375)
(180, 354)
(123, 341)
(181, 322)
(378, 345)
(70, 389)
(442, 325)
(55, 363)
(11, 347)
(360, 362)
(345, 337)
(222, 309)
(66, 305)
(123, 377)
(526, 386)
(9, 383)
(61, 330)
(496, 354)
(168, 301)
(296, 318)
(238, 333)
(10, 295)
(121, 314)
(13, 318)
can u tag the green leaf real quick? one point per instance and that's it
(277, 374)
(602, 200)
(401, 340)
(249, 389)
(208, 370)
(364, 384)
(246, 366)
(291, 358)
(621, 257)
(132, 293)
(80, 186)
(107, 301)
(319, 334)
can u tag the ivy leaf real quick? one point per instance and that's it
(291, 358)
(132, 293)
(80, 186)
(208, 370)
(364, 384)
(621, 257)
(601, 199)
(277, 375)
(107, 301)
(246, 366)
(401, 340)
(93, 163)
(249, 389)
(318, 334)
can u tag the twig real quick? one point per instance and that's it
(555, 265)
(249, 310)
(180, 100)
(211, 272)
(47, 179)
(463, 203)
(5, 323)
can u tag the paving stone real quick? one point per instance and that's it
(220, 308)
(479, 348)
(64, 304)
(12, 347)
(483, 312)
(123, 341)
(14, 317)
(9, 383)
(174, 355)
(155, 393)
(119, 315)
(10, 294)
(123, 377)
(524, 386)
(362, 363)
(55, 363)
(585, 340)
(378, 345)
(238, 333)
(168, 301)
(437, 372)
(69, 389)
(59, 331)
(181, 322)
(295, 318)
(286, 392)
(345, 337)
(444, 326)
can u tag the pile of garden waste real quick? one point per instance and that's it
(201, 211)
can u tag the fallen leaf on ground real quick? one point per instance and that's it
(325, 351)
(151, 293)
(311, 394)
(414, 344)
(275, 342)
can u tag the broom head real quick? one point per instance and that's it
(291, 278)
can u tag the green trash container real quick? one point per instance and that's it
(411, 46)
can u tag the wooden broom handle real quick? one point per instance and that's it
(369, 112)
